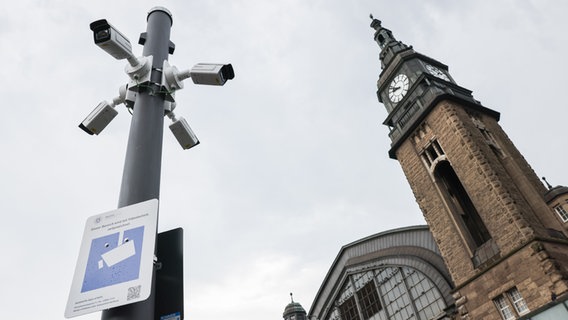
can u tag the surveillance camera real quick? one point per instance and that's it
(211, 73)
(111, 40)
(183, 133)
(97, 120)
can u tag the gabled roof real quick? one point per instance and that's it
(409, 246)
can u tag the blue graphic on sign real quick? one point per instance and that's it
(111, 262)
(173, 316)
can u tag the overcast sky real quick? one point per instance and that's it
(293, 159)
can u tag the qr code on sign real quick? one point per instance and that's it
(133, 293)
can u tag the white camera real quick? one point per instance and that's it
(183, 133)
(103, 114)
(111, 40)
(99, 118)
(211, 73)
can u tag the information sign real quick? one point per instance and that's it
(115, 261)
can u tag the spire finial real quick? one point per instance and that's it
(291, 297)
(375, 23)
(547, 184)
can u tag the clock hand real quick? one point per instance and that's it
(395, 89)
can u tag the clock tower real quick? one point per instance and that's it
(505, 248)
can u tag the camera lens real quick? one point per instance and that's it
(102, 35)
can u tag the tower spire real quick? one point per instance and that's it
(411, 84)
(375, 23)
(387, 42)
(384, 36)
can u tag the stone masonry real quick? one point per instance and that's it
(508, 196)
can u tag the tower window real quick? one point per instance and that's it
(488, 136)
(462, 204)
(459, 203)
(432, 153)
(561, 212)
(381, 39)
(492, 142)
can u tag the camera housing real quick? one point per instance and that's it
(214, 74)
(111, 40)
(99, 118)
(183, 133)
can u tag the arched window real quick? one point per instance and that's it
(388, 293)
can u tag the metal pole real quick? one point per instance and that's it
(143, 161)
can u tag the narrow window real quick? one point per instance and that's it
(492, 142)
(561, 212)
(462, 204)
(431, 153)
(381, 39)
(488, 136)
(369, 300)
(518, 301)
(503, 307)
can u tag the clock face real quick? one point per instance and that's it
(398, 88)
(437, 72)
